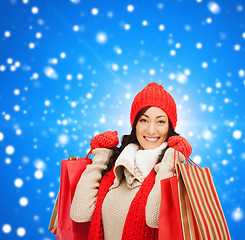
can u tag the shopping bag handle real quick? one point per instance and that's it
(75, 158)
(175, 161)
(188, 161)
(89, 154)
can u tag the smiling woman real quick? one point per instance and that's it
(122, 185)
(152, 128)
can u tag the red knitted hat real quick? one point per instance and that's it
(154, 95)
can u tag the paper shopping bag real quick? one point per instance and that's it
(198, 194)
(170, 226)
(54, 218)
(65, 228)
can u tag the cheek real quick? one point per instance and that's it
(165, 132)
(139, 129)
(138, 132)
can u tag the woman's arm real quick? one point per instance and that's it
(85, 197)
(164, 169)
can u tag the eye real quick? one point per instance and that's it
(161, 122)
(143, 120)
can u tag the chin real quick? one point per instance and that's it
(152, 146)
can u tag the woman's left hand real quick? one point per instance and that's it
(180, 144)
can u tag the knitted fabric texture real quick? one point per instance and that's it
(96, 227)
(154, 95)
(180, 144)
(105, 140)
(135, 225)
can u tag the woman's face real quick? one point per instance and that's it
(152, 128)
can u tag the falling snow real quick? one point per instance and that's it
(67, 76)
(127, 26)
(214, 7)
(237, 134)
(6, 228)
(161, 27)
(237, 214)
(94, 11)
(34, 10)
(101, 37)
(18, 182)
(1, 136)
(23, 201)
(130, 8)
(21, 232)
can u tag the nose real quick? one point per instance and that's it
(152, 129)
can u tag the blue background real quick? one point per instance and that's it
(80, 77)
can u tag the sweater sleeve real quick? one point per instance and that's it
(85, 197)
(164, 169)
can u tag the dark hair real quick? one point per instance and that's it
(131, 138)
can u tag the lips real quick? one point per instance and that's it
(151, 139)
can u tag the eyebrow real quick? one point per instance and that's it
(156, 117)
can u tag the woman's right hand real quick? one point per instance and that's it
(107, 139)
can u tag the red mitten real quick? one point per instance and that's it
(105, 140)
(180, 144)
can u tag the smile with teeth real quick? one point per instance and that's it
(152, 139)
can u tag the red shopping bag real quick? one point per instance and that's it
(175, 218)
(67, 229)
(190, 207)
(170, 227)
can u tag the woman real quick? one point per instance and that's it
(120, 191)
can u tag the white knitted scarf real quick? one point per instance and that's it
(145, 159)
